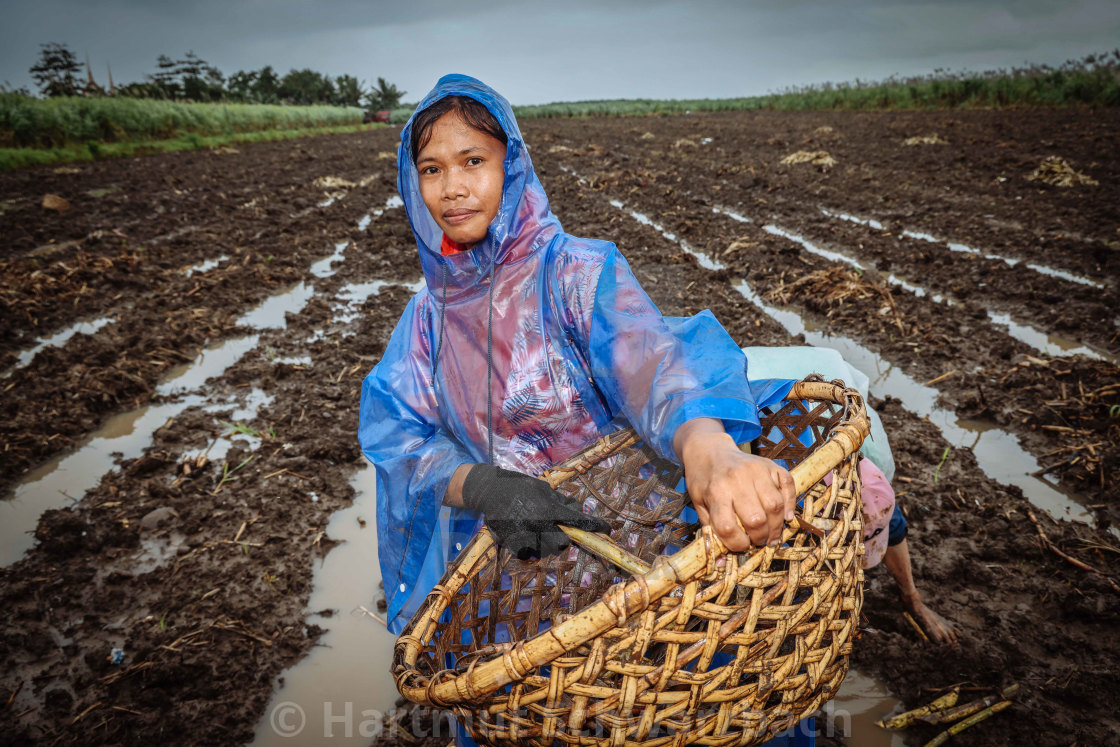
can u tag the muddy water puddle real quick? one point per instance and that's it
(705, 261)
(58, 339)
(956, 246)
(998, 453)
(352, 297)
(393, 202)
(869, 222)
(340, 691)
(732, 214)
(324, 268)
(203, 267)
(212, 361)
(272, 312)
(1044, 342)
(1053, 345)
(66, 478)
(851, 715)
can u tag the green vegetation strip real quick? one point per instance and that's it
(27, 122)
(1098, 87)
(14, 158)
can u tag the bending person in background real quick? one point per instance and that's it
(885, 528)
(885, 540)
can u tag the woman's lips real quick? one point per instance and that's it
(461, 215)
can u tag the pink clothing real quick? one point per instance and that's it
(878, 506)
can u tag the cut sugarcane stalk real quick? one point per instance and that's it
(903, 720)
(950, 715)
(607, 549)
(960, 726)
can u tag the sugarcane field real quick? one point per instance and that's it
(190, 526)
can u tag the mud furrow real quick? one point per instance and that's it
(215, 206)
(916, 188)
(157, 195)
(258, 534)
(976, 553)
(955, 347)
(1084, 313)
(120, 363)
(1077, 310)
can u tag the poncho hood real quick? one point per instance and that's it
(523, 225)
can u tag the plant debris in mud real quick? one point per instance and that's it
(815, 157)
(1082, 412)
(833, 286)
(1057, 172)
(933, 139)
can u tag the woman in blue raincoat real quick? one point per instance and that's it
(526, 345)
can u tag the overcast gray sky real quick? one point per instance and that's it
(564, 50)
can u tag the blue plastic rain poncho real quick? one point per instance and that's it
(531, 345)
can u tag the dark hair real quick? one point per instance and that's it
(475, 114)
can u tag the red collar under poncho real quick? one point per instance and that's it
(448, 247)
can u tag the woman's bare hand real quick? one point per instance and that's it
(746, 499)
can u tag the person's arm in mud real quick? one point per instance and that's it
(897, 561)
(746, 499)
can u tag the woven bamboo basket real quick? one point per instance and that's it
(658, 635)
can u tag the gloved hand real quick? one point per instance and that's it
(522, 512)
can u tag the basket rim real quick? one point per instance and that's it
(624, 599)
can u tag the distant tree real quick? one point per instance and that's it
(384, 96)
(201, 81)
(348, 91)
(166, 78)
(266, 87)
(241, 85)
(141, 90)
(306, 87)
(56, 72)
(191, 78)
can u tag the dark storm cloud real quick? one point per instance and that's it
(581, 49)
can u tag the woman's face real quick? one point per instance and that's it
(462, 173)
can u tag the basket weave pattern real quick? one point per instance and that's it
(726, 651)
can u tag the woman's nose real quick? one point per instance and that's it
(454, 184)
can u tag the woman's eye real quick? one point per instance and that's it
(475, 161)
(429, 170)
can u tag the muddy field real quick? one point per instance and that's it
(182, 351)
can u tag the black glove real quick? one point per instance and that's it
(522, 512)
